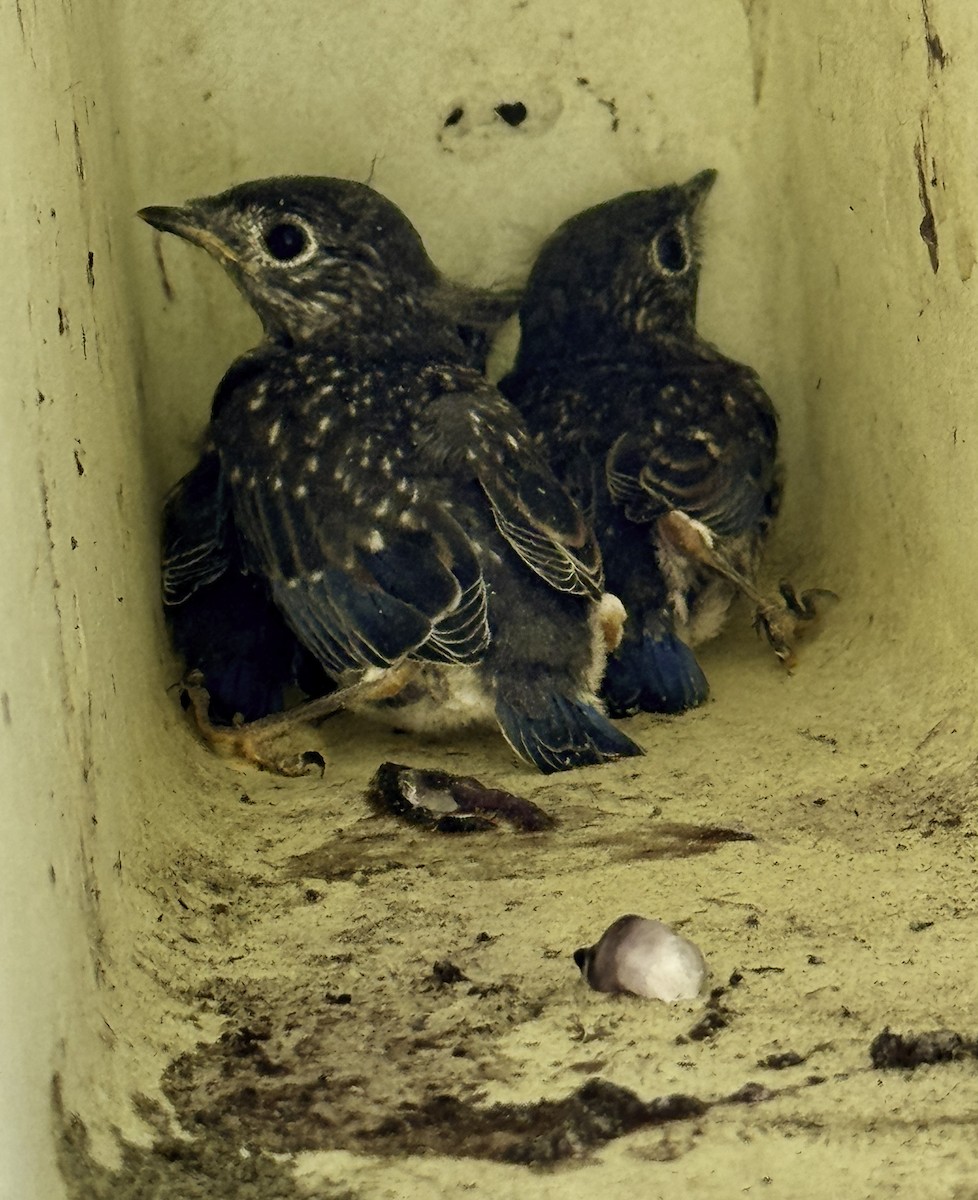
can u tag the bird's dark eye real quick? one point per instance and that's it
(669, 248)
(286, 241)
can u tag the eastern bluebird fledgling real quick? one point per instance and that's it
(668, 445)
(405, 524)
(222, 619)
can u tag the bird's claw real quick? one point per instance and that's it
(252, 741)
(309, 762)
(782, 620)
(778, 625)
(805, 605)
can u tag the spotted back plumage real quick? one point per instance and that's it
(351, 485)
(642, 418)
(392, 501)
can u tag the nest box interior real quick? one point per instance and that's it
(220, 983)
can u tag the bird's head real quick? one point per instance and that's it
(627, 267)
(310, 253)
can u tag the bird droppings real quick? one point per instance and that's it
(676, 839)
(445, 973)
(270, 1086)
(247, 1143)
(643, 958)
(448, 803)
(907, 1051)
(717, 1015)
(782, 1061)
(204, 1168)
(367, 847)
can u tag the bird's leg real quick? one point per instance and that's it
(695, 540)
(779, 618)
(254, 741)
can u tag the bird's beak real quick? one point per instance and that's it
(187, 223)
(698, 188)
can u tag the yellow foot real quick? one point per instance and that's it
(255, 741)
(784, 620)
(780, 618)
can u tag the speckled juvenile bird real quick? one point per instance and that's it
(669, 445)
(407, 528)
(222, 619)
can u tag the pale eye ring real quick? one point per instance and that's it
(288, 241)
(670, 252)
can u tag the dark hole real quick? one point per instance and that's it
(513, 114)
(454, 117)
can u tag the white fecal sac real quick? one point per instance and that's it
(644, 958)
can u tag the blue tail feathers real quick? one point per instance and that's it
(564, 734)
(655, 673)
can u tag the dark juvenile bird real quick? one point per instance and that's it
(222, 619)
(667, 444)
(403, 522)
